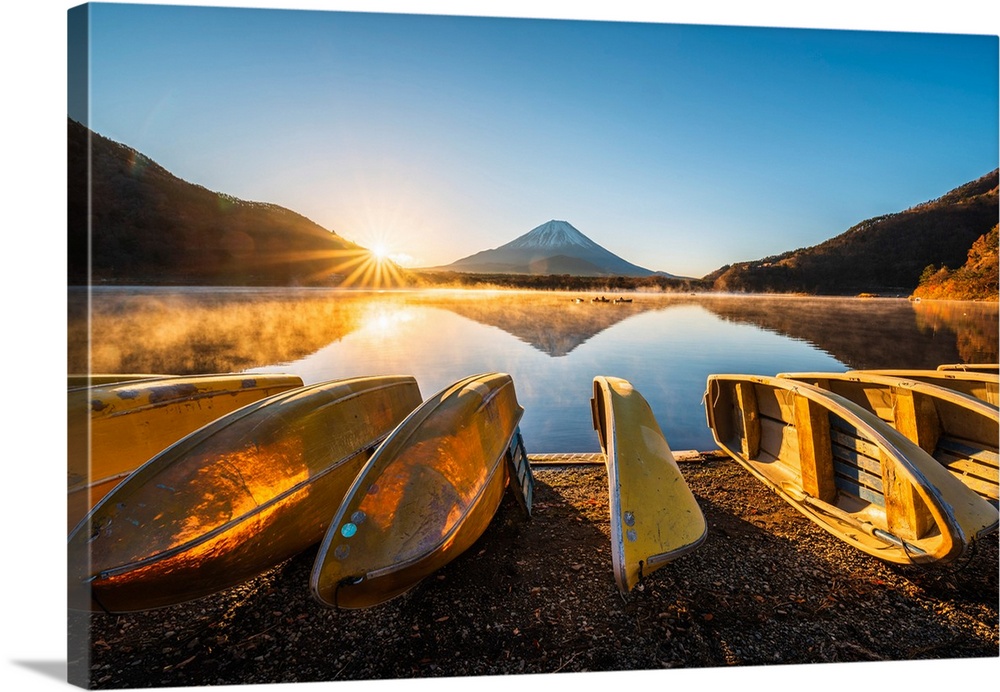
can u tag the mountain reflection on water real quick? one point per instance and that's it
(875, 333)
(552, 343)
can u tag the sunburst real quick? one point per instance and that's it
(353, 266)
(371, 269)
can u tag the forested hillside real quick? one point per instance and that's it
(148, 226)
(977, 279)
(886, 254)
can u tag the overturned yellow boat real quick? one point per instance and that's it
(845, 469)
(425, 496)
(116, 426)
(92, 379)
(655, 517)
(234, 498)
(961, 432)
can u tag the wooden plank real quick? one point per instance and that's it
(969, 450)
(567, 458)
(595, 458)
(875, 398)
(858, 463)
(866, 463)
(856, 444)
(967, 467)
(694, 455)
(859, 476)
(915, 415)
(976, 467)
(776, 403)
(975, 422)
(864, 492)
(812, 427)
(980, 477)
(748, 417)
(879, 400)
(977, 484)
(780, 440)
(906, 514)
(521, 482)
(859, 459)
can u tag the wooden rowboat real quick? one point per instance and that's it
(116, 427)
(981, 385)
(845, 469)
(971, 367)
(962, 433)
(655, 517)
(425, 496)
(234, 498)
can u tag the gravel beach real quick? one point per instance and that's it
(538, 596)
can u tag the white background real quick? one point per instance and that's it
(33, 259)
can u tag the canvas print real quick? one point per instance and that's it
(415, 346)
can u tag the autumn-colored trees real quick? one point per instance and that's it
(977, 279)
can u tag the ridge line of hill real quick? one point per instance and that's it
(886, 254)
(137, 223)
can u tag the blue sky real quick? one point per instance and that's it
(680, 147)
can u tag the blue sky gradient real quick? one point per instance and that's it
(679, 147)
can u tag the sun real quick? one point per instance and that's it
(380, 252)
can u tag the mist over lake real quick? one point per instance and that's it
(552, 343)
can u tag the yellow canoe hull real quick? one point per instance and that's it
(845, 469)
(425, 496)
(234, 498)
(74, 380)
(655, 517)
(961, 432)
(981, 385)
(114, 428)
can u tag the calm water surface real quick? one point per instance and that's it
(552, 346)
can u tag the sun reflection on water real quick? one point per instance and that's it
(384, 321)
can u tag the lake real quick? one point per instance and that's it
(552, 344)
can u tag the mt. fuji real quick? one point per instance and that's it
(555, 247)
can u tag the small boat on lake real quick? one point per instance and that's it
(961, 432)
(234, 498)
(981, 385)
(425, 496)
(623, 300)
(128, 421)
(845, 469)
(655, 517)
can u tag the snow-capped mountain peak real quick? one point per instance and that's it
(551, 234)
(555, 247)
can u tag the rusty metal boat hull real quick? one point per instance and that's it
(114, 428)
(234, 498)
(845, 469)
(424, 497)
(655, 518)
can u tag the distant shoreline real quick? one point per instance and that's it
(483, 284)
